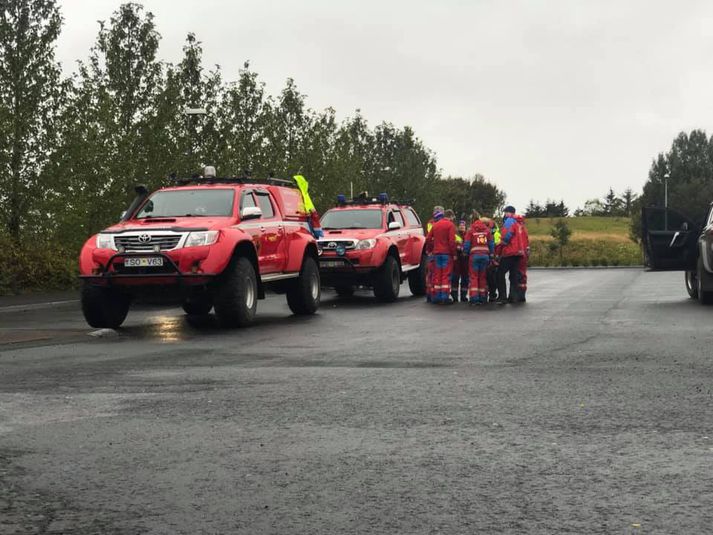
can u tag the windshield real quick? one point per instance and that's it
(351, 219)
(188, 203)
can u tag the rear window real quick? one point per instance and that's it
(263, 199)
(352, 219)
(412, 218)
(188, 203)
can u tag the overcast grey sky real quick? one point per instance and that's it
(554, 98)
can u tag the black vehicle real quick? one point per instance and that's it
(672, 242)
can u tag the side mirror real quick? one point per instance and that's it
(250, 212)
(394, 225)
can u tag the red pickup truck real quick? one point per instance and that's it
(372, 242)
(205, 243)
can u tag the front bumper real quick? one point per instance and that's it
(114, 273)
(352, 269)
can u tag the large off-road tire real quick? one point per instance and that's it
(304, 294)
(198, 305)
(691, 280)
(705, 284)
(344, 291)
(236, 296)
(387, 281)
(104, 308)
(417, 279)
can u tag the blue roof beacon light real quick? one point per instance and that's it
(383, 198)
(341, 199)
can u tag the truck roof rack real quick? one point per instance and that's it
(364, 199)
(270, 181)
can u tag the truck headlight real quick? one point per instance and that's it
(105, 241)
(366, 244)
(196, 239)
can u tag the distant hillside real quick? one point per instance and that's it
(595, 241)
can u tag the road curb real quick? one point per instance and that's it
(35, 306)
(542, 268)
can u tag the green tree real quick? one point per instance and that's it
(613, 205)
(245, 113)
(186, 140)
(30, 96)
(561, 234)
(110, 127)
(628, 198)
(688, 169)
(464, 195)
(318, 158)
(289, 121)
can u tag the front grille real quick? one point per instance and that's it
(138, 243)
(331, 245)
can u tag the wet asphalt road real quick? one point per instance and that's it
(588, 410)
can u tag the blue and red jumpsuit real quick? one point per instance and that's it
(315, 224)
(441, 243)
(510, 253)
(480, 246)
(429, 266)
(522, 263)
(459, 277)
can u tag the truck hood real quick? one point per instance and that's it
(352, 234)
(173, 223)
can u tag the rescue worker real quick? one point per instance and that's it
(459, 277)
(492, 272)
(480, 247)
(441, 243)
(522, 264)
(429, 258)
(510, 253)
(313, 219)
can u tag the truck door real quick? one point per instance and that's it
(400, 235)
(272, 235)
(415, 235)
(670, 240)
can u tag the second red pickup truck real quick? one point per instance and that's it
(370, 241)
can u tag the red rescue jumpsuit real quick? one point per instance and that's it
(441, 243)
(479, 244)
(522, 263)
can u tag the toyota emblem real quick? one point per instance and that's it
(144, 238)
(332, 245)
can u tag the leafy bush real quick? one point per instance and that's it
(35, 266)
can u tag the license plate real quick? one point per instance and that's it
(332, 264)
(153, 261)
